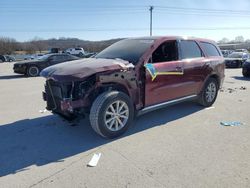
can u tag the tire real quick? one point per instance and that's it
(245, 73)
(103, 119)
(33, 71)
(210, 88)
(80, 54)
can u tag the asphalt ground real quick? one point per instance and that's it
(180, 146)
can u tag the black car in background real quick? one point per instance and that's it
(33, 68)
(246, 68)
(236, 59)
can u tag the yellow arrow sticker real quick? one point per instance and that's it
(154, 73)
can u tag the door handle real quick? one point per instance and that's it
(179, 69)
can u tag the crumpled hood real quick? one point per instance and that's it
(80, 69)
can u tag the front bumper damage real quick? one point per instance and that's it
(61, 98)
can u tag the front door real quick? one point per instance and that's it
(164, 74)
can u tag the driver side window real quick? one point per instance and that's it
(167, 51)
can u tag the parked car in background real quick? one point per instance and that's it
(241, 50)
(2, 58)
(29, 57)
(33, 67)
(54, 50)
(75, 51)
(9, 58)
(134, 76)
(225, 53)
(89, 54)
(246, 68)
(236, 59)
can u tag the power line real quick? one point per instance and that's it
(123, 29)
(202, 9)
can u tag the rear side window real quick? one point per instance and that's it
(190, 49)
(210, 49)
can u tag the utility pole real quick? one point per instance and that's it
(151, 18)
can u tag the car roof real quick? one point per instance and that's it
(173, 38)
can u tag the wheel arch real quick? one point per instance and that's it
(213, 75)
(112, 86)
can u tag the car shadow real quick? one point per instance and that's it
(8, 77)
(241, 78)
(48, 139)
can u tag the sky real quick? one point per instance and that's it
(107, 19)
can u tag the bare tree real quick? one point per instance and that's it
(39, 44)
(223, 40)
(7, 45)
(239, 39)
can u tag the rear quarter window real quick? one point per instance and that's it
(190, 49)
(210, 49)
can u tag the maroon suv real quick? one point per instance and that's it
(132, 77)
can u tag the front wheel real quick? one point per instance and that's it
(209, 93)
(111, 114)
(245, 73)
(33, 71)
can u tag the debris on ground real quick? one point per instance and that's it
(231, 123)
(43, 111)
(93, 162)
(230, 90)
(243, 88)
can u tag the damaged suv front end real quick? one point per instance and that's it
(71, 93)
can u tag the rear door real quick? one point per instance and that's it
(194, 62)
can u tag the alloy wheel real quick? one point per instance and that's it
(116, 115)
(211, 92)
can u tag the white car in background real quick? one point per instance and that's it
(75, 51)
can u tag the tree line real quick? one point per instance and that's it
(11, 46)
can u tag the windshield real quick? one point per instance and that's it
(44, 57)
(236, 55)
(129, 49)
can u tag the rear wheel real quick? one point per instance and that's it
(111, 114)
(33, 71)
(209, 93)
